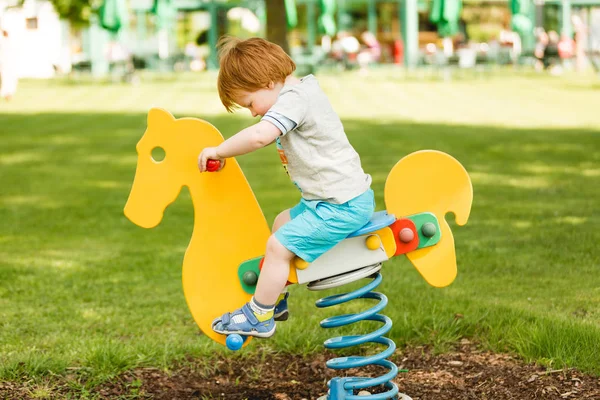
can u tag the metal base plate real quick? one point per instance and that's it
(400, 396)
(343, 279)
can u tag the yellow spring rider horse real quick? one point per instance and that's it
(222, 261)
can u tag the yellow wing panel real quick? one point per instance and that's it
(431, 181)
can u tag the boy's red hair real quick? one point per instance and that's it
(249, 65)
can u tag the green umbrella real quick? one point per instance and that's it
(523, 17)
(165, 12)
(445, 14)
(113, 15)
(291, 13)
(327, 18)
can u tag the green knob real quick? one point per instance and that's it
(250, 278)
(428, 229)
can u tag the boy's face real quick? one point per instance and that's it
(260, 101)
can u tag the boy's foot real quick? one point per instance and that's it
(243, 321)
(281, 312)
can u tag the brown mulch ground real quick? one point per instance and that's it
(466, 373)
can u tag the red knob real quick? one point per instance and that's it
(406, 235)
(213, 165)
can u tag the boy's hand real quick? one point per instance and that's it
(209, 153)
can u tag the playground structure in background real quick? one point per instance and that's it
(162, 35)
(222, 262)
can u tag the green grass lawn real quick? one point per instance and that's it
(87, 294)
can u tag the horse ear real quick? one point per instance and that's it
(158, 116)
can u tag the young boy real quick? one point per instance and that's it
(315, 152)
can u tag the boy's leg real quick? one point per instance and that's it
(274, 273)
(283, 218)
(281, 307)
(262, 307)
(256, 318)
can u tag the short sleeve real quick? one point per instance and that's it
(290, 106)
(283, 123)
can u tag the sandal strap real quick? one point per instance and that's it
(226, 319)
(249, 314)
(246, 310)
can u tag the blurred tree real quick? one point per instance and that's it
(277, 23)
(77, 12)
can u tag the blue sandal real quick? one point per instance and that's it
(281, 309)
(251, 327)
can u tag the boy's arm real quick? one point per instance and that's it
(247, 140)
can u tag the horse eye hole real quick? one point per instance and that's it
(158, 154)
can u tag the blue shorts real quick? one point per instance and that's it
(317, 226)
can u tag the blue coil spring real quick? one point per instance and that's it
(343, 388)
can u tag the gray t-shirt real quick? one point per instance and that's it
(313, 146)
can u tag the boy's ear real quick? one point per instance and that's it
(271, 85)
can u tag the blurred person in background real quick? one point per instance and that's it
(581, 42)
(370, 53)
(540, 48)
(9, 77)
(511, 40)
(344, 49)
(551, 58)
(193, 57)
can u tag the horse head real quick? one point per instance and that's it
(157, 183)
